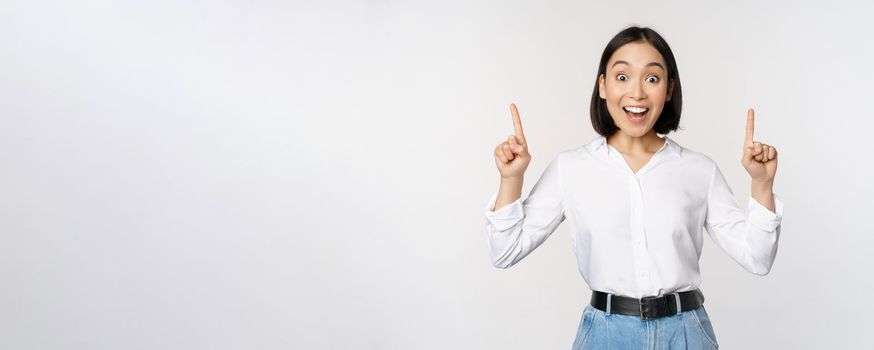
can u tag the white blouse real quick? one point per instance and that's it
(639, 234)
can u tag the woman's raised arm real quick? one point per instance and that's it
(514, 227)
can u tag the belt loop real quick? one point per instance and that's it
(609, 303)
(679, 309)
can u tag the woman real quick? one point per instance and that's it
(637, 203)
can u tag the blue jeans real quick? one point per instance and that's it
(687, 330)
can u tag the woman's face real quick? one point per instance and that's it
(635, 87)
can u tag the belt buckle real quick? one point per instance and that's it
(640, 304)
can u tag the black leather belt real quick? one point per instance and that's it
(649, 308)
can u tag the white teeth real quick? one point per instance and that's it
(636, 109)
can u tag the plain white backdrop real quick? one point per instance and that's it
(314, 175)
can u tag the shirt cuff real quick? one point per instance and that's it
(506, 216)
(762, 217)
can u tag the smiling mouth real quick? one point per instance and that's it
(635, 113)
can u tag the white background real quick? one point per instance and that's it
(314, 175)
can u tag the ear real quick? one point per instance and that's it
(670, 91)
(601, 87)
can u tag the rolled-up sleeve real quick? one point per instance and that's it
(748, 236)
(516, 229)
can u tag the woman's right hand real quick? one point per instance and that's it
(511, 156)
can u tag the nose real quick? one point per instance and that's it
(637, 91)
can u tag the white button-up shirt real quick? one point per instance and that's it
(635, 234)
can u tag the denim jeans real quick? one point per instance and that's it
(689, 329)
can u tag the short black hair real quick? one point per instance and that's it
(669, 120)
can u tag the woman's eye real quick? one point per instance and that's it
(622, 77)
(652, 79)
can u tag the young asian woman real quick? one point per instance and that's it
(637, 203)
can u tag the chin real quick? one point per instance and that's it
(635, 131)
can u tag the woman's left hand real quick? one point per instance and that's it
(759, 159)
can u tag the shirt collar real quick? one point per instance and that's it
(599, 144)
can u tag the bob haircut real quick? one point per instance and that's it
(669, 120)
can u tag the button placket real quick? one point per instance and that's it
(638, 234)
(637, 224)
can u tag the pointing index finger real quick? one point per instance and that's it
(517, 123)
(751, 124)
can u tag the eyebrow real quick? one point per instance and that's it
(651, 64)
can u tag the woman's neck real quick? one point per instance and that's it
(626, 144)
